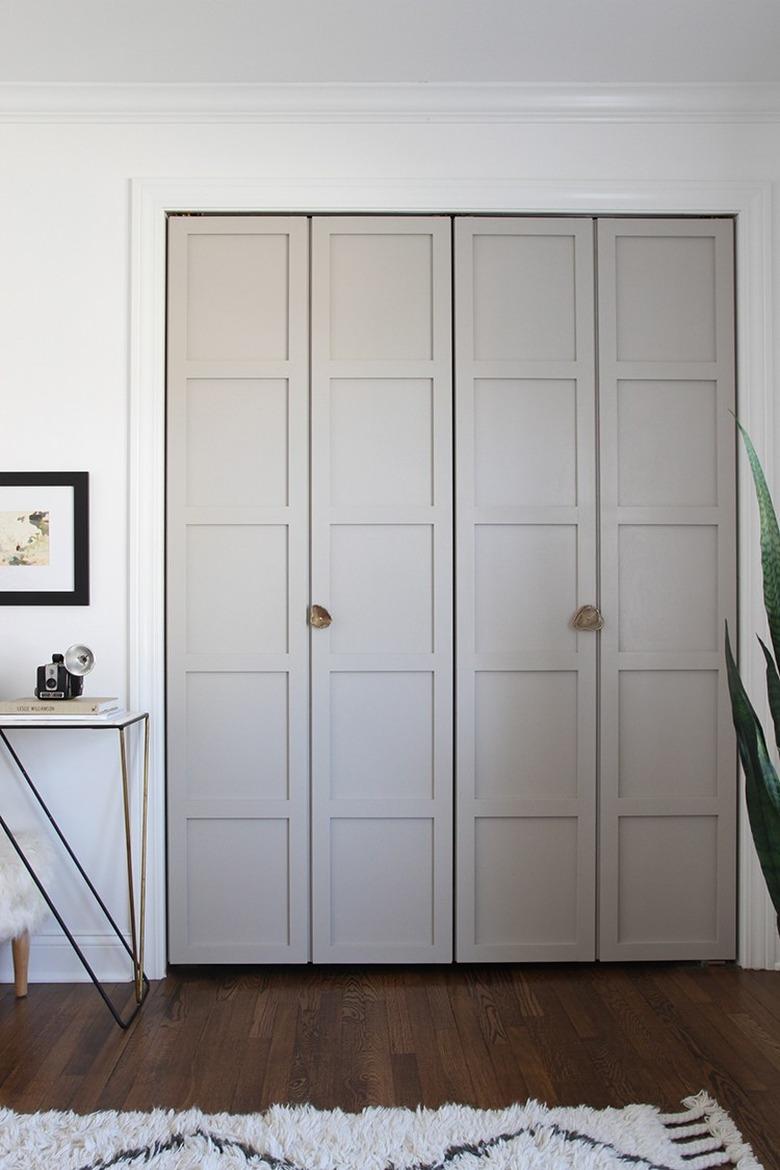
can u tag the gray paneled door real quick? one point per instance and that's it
(237, 589)
(667, 439)
(381, 519)
(526, 557)
(316, 786)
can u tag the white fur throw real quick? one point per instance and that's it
(21, 905)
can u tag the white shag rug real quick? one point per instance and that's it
(522, 1137)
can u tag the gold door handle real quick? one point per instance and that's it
(588, 617)
(319, 618)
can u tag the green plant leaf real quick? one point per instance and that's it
(770, 543)
(762, 786)
(772, 689)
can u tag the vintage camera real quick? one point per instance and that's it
(63, 677)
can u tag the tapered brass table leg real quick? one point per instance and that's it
(129, 854)
(137, 925)
(144, 836)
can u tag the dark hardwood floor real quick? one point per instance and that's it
(239, 1040)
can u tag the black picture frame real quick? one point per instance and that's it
(79, 482)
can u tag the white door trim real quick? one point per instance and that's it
(153, 198)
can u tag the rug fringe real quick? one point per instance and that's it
(735, 1150)
(693, 1129)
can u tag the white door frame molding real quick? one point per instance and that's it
(152, 199)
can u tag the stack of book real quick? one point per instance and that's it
(100, 707)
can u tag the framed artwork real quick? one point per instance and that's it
(44, 538)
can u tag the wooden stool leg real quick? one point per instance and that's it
(20, 948)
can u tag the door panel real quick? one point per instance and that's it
(668, 785)
(526, 557)
(237, 589)
(382, 565)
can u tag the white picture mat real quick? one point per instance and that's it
(58, 575)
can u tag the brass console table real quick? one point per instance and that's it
(120, 724)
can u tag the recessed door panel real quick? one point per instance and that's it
(237, 881)
(382, 587)
(381, 738)
(681, 470)
(667, 586)
(525, 587)
(381, 887)
(516, 756)
(236, 735)
(681, 762)
(526, 559)
(525, 882)
(235, 595)
(381, 441)
(236, 306)
(237, 442)
(665, 290)
(524, 432)
(382, 710)
(668, 875)
(380, 292)
(524, 291)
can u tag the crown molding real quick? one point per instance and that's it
(388, 102)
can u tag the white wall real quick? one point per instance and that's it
(64, 329)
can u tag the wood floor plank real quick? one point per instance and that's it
(29, 1076)
(762, 985)
(472, 1039)
(715, 1034)
(398, 1022)
(630, 1025)
(22, 1021)
(458, 1082)
(432, 1075)
(252, 1062)
(280, 1054)
(567, 1059)
(179, 1035)
(758, 1036)
(215, 1074)
(406, 1082)
(307, 1048)
(531, 1064)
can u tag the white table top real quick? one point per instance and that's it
(117, 719)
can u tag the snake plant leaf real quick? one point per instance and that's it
(772, 689)
(770, 543)
(762, 786)
(750, 732)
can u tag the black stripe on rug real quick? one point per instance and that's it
(477, 1150)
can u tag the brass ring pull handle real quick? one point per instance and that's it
(319, 618)
(588, 617)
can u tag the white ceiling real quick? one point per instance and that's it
(389, 40)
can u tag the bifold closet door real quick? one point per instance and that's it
(382, 566)
(526, 560)
(237, 589)
(667, 440)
